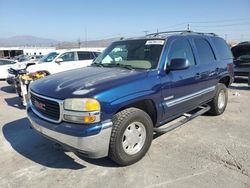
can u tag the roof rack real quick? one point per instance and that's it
(180, 31)
(167, 32)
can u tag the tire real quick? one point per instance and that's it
(131, 136)
(219, 102)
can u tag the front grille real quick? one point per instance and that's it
(48, 108)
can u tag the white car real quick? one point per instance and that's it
(63, 60)
(5, 64)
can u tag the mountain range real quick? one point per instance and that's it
(33, 41)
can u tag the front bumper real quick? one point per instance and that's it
(241, 71)
(93, 146)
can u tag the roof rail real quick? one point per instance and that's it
(181, 32)
(167, 32)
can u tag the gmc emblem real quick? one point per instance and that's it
(39, 105)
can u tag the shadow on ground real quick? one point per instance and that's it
(15, 102)
(243, 81)
(36, 148)
(8, 89)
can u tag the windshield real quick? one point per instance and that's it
(136, 54)
(49, 57)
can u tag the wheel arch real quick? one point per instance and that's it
(225, 80)
(147, 105)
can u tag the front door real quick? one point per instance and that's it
(180, 88)
(68, 62)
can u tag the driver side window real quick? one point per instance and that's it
(68, 56)
(181, 48)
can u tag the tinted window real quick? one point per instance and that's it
(5, 62)
(181, 49)
(204, 51)
(96, 54)
(68, 56)
(84, 55)
(222, 48)
(48, 58)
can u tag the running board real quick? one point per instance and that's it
(187, 118)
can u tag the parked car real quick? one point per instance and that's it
(131, 90)
(54, 62)
(23, 61)
(5, 64)
(241, 53)
(63, 60)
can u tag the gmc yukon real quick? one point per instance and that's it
(113, 107)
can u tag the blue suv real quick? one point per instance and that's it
(113, 107)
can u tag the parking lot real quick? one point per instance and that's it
(207, 152)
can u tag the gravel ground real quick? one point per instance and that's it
(207, 152)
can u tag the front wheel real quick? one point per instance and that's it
(219, 102)
(131, 136)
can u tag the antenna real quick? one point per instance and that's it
(146, 32)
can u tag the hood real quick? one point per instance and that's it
(38, 67)
(241, 51)
(19, 66)
(84, 82)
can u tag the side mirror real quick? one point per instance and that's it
(178, 64)
(59, 60)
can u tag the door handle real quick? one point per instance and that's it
(197, 76)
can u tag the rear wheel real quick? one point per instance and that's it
(131, 137)
(219, 102)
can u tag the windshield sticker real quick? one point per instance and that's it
(155, 42)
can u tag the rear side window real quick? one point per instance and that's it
(181, 49)
(205, 51)
(68, 56)
(222, 48)
(84, 55)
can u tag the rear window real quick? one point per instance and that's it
(222, 48)
(205, 51)
(84, 55)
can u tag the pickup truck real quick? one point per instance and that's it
(113, 107)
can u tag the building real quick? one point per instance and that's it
(14, 51)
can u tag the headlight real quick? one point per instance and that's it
(81, 105)
(81, 110)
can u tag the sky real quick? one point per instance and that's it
(69, 20)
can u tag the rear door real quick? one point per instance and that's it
(85, 58)
(180, 87)
(207, 68)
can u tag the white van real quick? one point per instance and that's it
(62, 60)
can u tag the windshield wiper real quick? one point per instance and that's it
(97, 64)
(118, 65)
(125, 66)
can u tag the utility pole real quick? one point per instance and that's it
(79, 42)
(188, 27)
(226, 37)
(86, 36)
